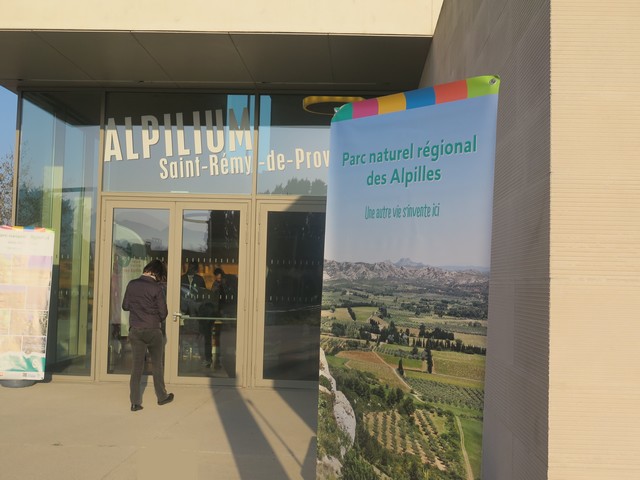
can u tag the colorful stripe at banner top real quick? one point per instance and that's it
(10, 227)
(446, 92)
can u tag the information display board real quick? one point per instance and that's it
(26, 261)
(406, 284)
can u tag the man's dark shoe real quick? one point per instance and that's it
(135, 407)
(169, 399)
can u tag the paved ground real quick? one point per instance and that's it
(64, 430)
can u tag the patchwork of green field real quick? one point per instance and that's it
(455, 381)
(371, 363)
(472, 428)
(393, 361)
(471, 332)
(459, 365)
(342, 314)
(334, 361)
(426, 433)
(392, 349)
(329, 343)
(458, 325)
(420, 437)
(404, 436)
(424, 429)
(473, 340)
(443, 390)
(453, 364)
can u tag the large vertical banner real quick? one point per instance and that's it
(26, 262)
(406, 281)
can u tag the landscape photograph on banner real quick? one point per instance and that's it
(406, 287)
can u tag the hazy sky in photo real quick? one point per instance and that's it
(459, 233)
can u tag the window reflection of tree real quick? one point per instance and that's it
(30, 214)
(302, 186)
(6, 188)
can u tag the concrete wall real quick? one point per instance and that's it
(375, 17)
(510, 38)
(562, 387)
(594, 396)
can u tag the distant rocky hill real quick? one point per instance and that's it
(405, 271)
(407, 262)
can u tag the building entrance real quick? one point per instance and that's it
(124, 177)
(203, 244)
(244, 287)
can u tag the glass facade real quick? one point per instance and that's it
(179, 143)
(205, 145)
(57, 182)
(294, 148)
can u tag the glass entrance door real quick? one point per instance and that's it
(200, 243)
(209, 276)
(290, 262)
(138, 236)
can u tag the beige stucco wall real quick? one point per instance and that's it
(375, 17)
(563, 376)
(594, 396)
(510, 38)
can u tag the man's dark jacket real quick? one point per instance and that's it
(146, 303)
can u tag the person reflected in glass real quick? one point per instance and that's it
(145, 300)
(192, 286)
(212, 309)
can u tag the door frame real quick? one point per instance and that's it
(175, 207)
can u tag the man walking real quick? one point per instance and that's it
(145, 300)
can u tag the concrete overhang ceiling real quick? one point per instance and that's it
(238, 61)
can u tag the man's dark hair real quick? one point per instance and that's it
(218, 271)
(157, 268)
